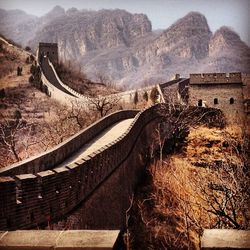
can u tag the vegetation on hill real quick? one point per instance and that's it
(202, 183)
(30, 121)
(77, 80)
(9, 58)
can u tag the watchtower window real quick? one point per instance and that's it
(231, 101)
(216, 101)
(200, 103)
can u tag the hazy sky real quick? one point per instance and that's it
(162, 13)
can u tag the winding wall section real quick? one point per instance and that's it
(31, 199)
(62, 151)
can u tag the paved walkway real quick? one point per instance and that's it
(49, 74)
(108, 135)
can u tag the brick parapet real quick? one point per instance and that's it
(216, 78)
(50, 194)
(50, 158)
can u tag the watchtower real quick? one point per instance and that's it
(218, 90)
(50, 50)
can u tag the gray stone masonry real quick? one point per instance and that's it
(48, 240)
(218, 239)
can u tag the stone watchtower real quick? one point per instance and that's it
(50, 50)
(219, 90)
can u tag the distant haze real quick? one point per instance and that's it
(162, 13)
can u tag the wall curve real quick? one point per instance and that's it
(31, 199)
(56, 155)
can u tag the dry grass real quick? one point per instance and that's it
(172, 208)
(10, 58)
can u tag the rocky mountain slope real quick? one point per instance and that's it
(122, 46)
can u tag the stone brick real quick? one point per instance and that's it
(225, 239)
(219, 91)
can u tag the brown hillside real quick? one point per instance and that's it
(203, 186)
(30, 121)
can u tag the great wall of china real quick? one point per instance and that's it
(34, 187)
(49, 186)
(38, 188)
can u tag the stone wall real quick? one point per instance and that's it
(29, 200)
(225, 239)
(124, 97)
(56, 155)
(175, 91)
(50, 50)
(63, 240)
(221, 78)
(106, 207)
(227, 97)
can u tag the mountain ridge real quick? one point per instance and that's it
(124, 47)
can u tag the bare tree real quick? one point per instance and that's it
(8, 133)
(171, 212)
(20, 139)
(225, 194)
(104, 104)
(17, 137)
(154, 95)
(103, 78)
(145, 96)
(65, 123)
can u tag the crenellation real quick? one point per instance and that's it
(8, 201)
(61, 169)
(51, 158)
(214, 78)
(45, 173)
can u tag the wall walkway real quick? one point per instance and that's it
(31, 199)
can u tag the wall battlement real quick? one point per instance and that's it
(64, 239)
(29, 200)
(216, 78)
(56, 155)
(48, 45)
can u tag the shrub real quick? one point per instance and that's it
(136, 98)
(31, 79)
(145, 96)
(154, 95)
(27, 48)
(2, 93)
(27, 60)
(17, 115)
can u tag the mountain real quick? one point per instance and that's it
(188, 37)
(17, 25)
(87, 31)
(21, 27)
(123, 46)
(227, 52)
